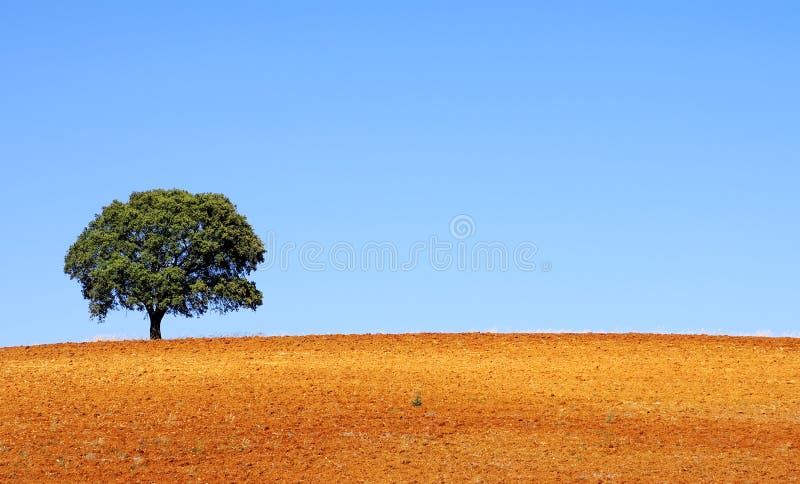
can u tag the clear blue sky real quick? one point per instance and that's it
(650, 150)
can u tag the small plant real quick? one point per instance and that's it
(417, 401)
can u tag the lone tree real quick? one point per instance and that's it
(167, 252)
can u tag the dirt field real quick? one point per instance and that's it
(339, 408)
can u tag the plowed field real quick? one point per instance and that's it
(494, 407)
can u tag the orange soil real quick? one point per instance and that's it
(524, 407)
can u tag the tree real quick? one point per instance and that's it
(167, 252)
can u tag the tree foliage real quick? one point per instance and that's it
(167, 252)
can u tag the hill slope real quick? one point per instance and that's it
(494, 406)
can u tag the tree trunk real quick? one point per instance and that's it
(155, 323)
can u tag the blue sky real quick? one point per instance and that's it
(649, 151)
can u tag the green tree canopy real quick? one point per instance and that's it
(167, 252)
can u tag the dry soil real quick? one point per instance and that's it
(492, 407)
